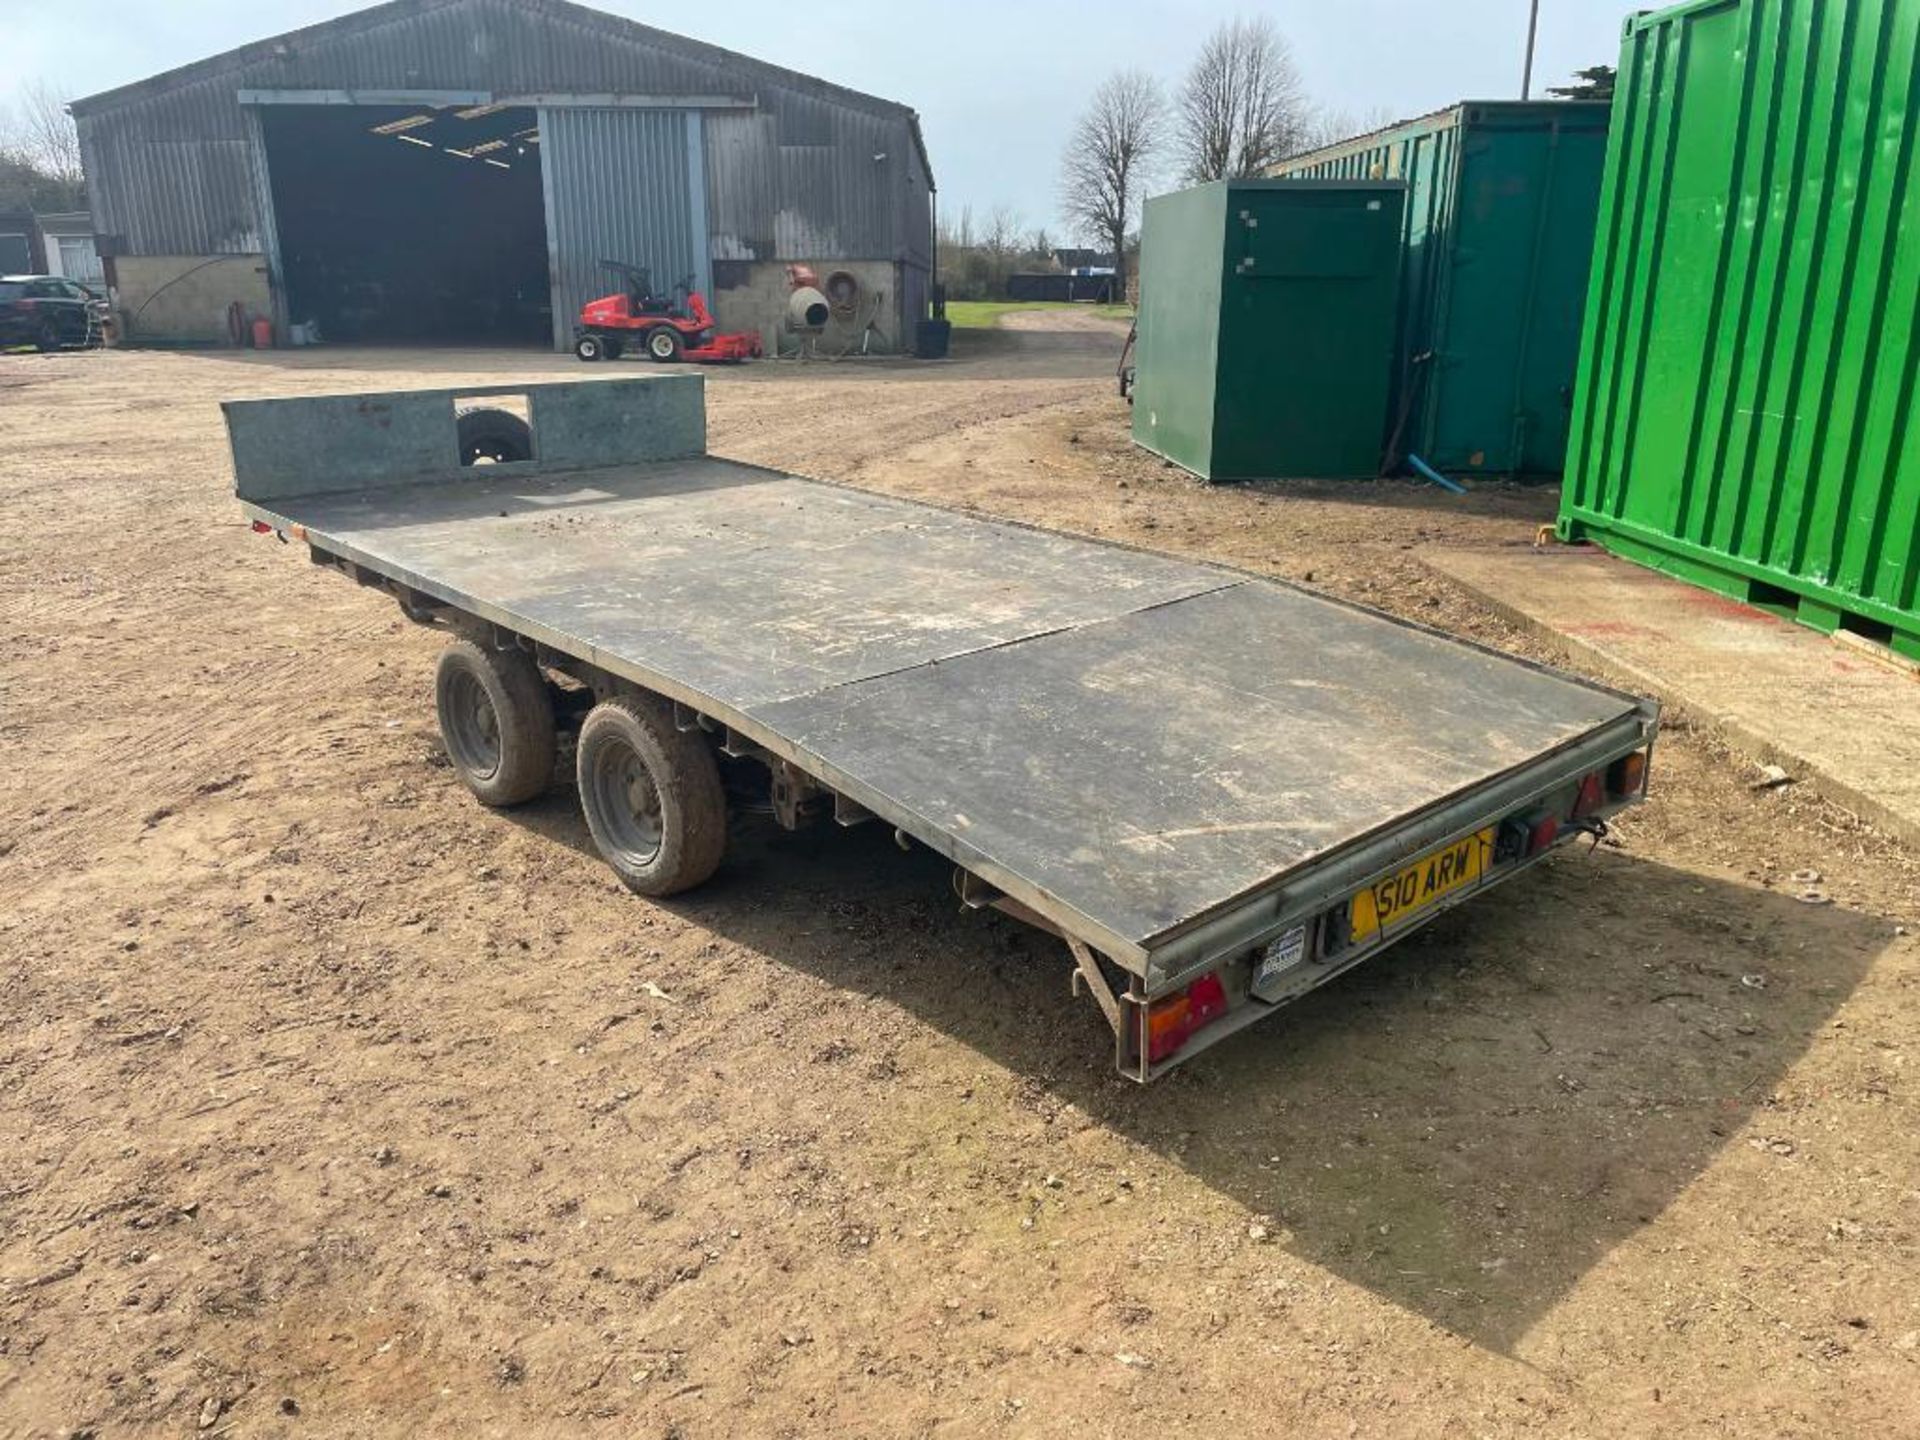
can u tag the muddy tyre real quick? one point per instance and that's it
(652, 796)
(487, 433)
(496, 720)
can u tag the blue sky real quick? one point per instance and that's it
(997, 83)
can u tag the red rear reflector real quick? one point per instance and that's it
(1172, 1021)
(1207, 1000)
(1542, 833)
(261, 527)
(1590, 797)
(1629, 774)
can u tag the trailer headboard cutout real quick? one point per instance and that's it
(322, 444)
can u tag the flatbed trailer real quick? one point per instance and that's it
(1219, 790)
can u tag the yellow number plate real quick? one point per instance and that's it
(1387, 902)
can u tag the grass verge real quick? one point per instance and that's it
(985, 314)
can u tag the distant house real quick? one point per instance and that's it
(20, 249)
(49, 245)
(69, 247)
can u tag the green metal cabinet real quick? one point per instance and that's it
(1499, 230)
(1746, 412)
(1266, 326)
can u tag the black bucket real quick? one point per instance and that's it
(932, 338)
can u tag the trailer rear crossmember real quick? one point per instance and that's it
(1219, 790)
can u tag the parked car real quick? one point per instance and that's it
(48, 312)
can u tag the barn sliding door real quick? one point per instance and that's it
(621, 184)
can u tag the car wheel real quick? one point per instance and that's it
(47, 338)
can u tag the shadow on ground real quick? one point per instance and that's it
(1464, 1126)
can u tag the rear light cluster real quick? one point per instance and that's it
(1173, 1019)
(1622, 780)
(1522, 837)
(1627, 776)
(1591, 795)
(1526, 835)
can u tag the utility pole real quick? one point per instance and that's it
(1533, 29)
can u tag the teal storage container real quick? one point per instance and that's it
(1266, 327)
(1501, 202)
(1747, 404)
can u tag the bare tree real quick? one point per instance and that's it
(957, 230)
(39, 132)
(39, 154)
(976, 258)
(1110, 159)
(1329, 127)
(1242, 105)
(1001, 239)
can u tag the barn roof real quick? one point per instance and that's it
(247, 60)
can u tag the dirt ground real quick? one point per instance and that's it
(332, 1104)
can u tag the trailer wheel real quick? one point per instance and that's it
(496, 718)
(664, 344)
(589, 348)
(652, 796)
(489, 433)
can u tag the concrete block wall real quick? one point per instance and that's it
(183, 299)
(752, 295)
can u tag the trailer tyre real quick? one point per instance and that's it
(496, 719)
(489, 433)
(652, 796)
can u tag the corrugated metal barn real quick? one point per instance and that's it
(458, 170)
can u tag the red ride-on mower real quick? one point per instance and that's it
(639, 319)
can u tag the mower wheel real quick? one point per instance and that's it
(664, 344)
(590, 348)
(489, 433)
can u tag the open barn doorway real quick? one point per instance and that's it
(411, 225)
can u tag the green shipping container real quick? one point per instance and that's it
(1266, 326)
(1746, 414)
(1499, 231)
